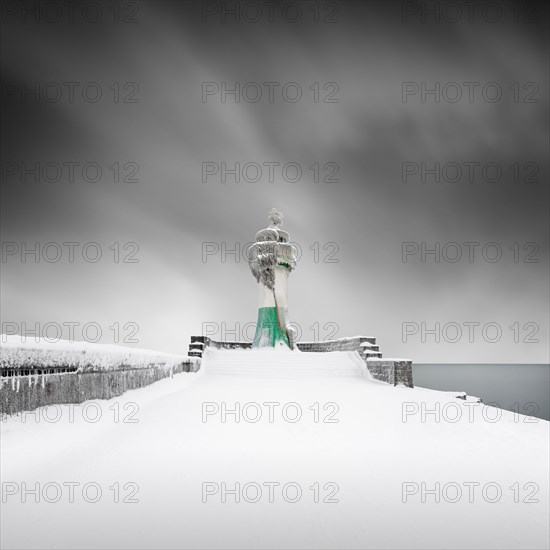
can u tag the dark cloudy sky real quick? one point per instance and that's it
(153, 120)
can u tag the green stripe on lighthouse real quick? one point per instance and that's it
(268, 332)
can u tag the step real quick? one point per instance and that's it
(279, 363)
(370, 347)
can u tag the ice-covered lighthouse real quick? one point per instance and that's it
(271, 259)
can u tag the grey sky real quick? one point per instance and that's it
(369, 212)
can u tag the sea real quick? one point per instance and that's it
(524, 389)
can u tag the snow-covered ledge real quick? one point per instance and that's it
(38, 372)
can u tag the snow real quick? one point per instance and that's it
(18, 351)
(173, 449)
(275, 363)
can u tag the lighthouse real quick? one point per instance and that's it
(271, 259)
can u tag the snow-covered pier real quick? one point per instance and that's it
(351, 462)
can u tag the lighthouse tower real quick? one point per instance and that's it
(271, 259)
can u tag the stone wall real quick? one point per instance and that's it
(26, 393)
(340, 344)
(357, 343)
(392, 371)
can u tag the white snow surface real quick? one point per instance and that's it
(17, 351)
(369, 453)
